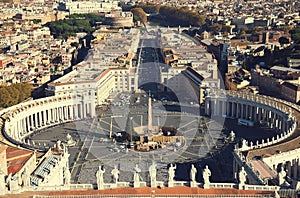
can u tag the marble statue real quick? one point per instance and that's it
(193, 173)
(172, 172)
(58, 145)
(137, 171)
(67, 176)
(152, 172)
(232, 136)
(281, 176)
(115, 173)
(26, 178)
(70, 141)
(99, 176)
(206, 174)
(242, 176)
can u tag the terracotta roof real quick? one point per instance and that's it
(15, 165)
(16, 159)
(180, 190)
(12, 153)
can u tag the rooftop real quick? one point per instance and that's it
(16, 159)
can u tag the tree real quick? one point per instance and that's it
(216, 27)
(139, 14)
(226, 28)
(74, 24)
(283, 40)
(14, 94)
(295, 35)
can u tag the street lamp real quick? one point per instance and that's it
(131, 129)
(110, 130)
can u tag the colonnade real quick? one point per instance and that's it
(230, 107)
(24, 119)
(266, 111)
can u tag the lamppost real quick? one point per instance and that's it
(131, 129)
(110, 130)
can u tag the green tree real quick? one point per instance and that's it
(14, 94)
(283, 40)
(139, 14)
(295, 35)
(216, 27)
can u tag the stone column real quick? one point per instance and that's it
(295, 169)
(224, 108)
(76, 110)
(271, 115)
(242, 111)
(276, 121)
(18, 129)
(207, 107)
(259, 114)
(36, 118)
(80, 108)
(31, 120)
(289, 168)
(53, 114)
(40, 118)
(47, 118)
(215, 105)
(62, 110)
(280, 123)
(254, 113)
(53, 111)
(233, 109)
(24, 125)
(283, 125)
(251, 113)
(228, 108)
(60, 113)
(247, 116)
(93, 111)
(44, 117)
(71, 113)
(57, 116)
(27, 124)
(15, 130)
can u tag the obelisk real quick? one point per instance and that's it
(149, 113)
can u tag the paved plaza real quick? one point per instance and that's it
(205, 142)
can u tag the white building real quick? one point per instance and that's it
(106, 69)
(76, 7)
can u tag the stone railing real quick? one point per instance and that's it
(223, 185)
(269, 141)
(261, 187)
